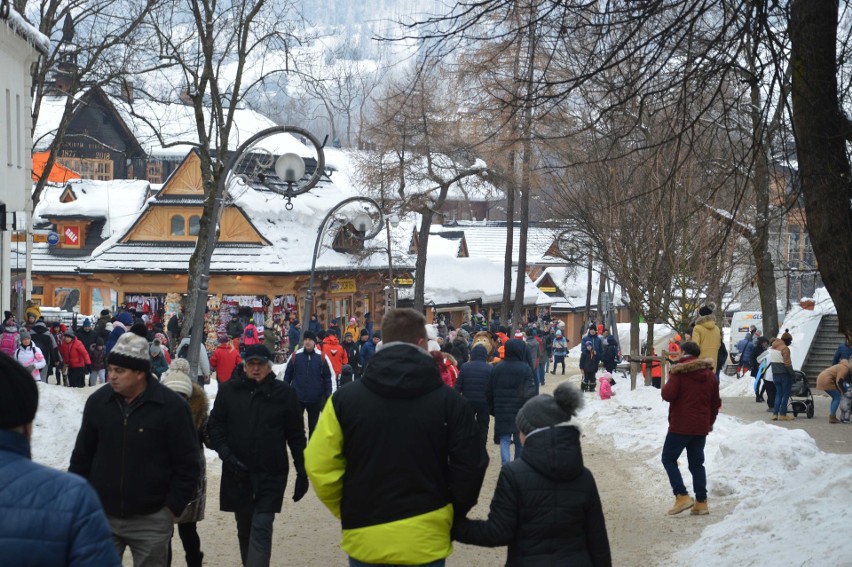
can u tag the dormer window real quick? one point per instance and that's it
(347, 240)
(186, 226)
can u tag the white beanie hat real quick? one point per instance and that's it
(178, 382)
(131, 351)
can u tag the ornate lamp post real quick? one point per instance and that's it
(251, 164)
(366, 226)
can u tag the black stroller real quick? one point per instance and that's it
(800, 389)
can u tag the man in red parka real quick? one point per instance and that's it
(693, 396)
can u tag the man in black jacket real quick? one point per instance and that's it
(137, 446)
(254, 416)
(473, 383)
(396, 454)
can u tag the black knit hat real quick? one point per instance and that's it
(705, 310)
(546, 411)
(309, 335)
(18, 394)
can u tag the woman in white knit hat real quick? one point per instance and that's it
(177, 380)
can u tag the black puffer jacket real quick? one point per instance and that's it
(546, 507)
(506, 392)
(475, 376)
(254, 421)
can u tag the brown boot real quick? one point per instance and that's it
(700, 508)
(774, 417)
(787, 417)
(682, 502)
(833, 419)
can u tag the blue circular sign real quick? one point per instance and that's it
(53, 239)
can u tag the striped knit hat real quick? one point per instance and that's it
(131, 351)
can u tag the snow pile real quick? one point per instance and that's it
(783, 485)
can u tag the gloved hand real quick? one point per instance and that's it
(301, 487)
(236, 466)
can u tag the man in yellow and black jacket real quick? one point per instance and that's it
(396, 454)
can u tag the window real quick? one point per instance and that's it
(178, 224)
(154, 171)
(194, 225)
(100, 169)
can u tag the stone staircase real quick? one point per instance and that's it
(822, 348)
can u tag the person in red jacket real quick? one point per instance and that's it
(225, 359)
(75, 358)
(335, 352)
(693, 396)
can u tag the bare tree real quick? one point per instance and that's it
(417, 153)
(213, 55)
(92, 44)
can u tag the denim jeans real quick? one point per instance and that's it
(783, 384)
(505, 442)
(672, 449)
(835, 401)
(355, 563)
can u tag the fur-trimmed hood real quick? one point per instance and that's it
(706, 321)
(199, 405)
(691, 364)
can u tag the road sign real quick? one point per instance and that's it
(53, 239)
(20, 236)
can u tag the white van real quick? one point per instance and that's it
(741, 322)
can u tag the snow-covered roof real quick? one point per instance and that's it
(174, 122)
(292, 234)
(573, 284)
(487, 239)
(118, 202)
(26, 30)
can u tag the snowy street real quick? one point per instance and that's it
(763, 480)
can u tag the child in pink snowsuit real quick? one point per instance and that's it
(605, 387)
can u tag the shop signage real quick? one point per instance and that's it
(53, 238)
(72, 235)
(38, 236)
(547, 289)
(403, 281)
(343, 286)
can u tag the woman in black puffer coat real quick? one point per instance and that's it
(512, 384)
(546, 505)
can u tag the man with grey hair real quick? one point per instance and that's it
(254, 418)
(396, 454)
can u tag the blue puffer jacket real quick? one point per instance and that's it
(475, 376)
(843, 351)
(310, 376)
(49, 517)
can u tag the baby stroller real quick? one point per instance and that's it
(800, 389)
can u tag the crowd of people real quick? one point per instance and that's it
(395, 445)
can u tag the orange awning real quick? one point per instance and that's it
(58, 173)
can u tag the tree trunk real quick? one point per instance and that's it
(822, 130)
(506, 303)
(649, 349)
(196, 260)
(634, 344)
(420, 262)
(588, 318)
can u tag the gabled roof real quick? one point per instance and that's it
(487, 239)
(117, 202)
(53, 107)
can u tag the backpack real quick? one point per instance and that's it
(249, 333)
(183, 351)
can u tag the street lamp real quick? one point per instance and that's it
(251, 164)
(363, 223)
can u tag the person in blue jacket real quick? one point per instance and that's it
(473, 383)
(368, 349)
(309, 373)
(50, 518)
(844, 351)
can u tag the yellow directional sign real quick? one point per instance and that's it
(19, 236)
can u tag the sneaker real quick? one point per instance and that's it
(769, 409)
(841, 421)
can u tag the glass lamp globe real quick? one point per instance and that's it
(289, 167)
